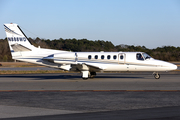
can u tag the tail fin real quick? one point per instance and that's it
(17, 39)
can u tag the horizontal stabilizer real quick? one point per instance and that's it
(19, 48)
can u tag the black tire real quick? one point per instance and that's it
(92, 74)
(156, 76)
(84, 78)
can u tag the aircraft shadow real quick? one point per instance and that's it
(159, 113)
(73, 76)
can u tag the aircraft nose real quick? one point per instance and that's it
(173, 67)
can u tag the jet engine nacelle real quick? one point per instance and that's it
(65, 58)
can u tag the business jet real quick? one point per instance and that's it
(88, 63)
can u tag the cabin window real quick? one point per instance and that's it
(108, 57)
(121, 57)
(96, 56)
(139, 56)
(89, 57)
(102, 56)
(114, 57)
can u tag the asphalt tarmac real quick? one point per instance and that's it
(127, 96)
(103, 81)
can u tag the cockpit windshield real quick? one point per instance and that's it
(142, 56)
(146, 56)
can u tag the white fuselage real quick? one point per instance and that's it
(101, 61)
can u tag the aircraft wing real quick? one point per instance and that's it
(85, 66)
(95, 66)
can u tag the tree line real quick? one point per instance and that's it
(166, 53)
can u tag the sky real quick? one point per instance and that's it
(149, 23)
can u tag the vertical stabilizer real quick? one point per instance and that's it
(16, 38)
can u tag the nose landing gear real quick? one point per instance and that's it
(156, 75)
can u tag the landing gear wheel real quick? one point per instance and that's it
(92, 74)
(156, 76)
(84, 78)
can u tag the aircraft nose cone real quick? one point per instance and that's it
(173, 67)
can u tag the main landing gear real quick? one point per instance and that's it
(156, 75)
(92, 74)
(87, 74)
